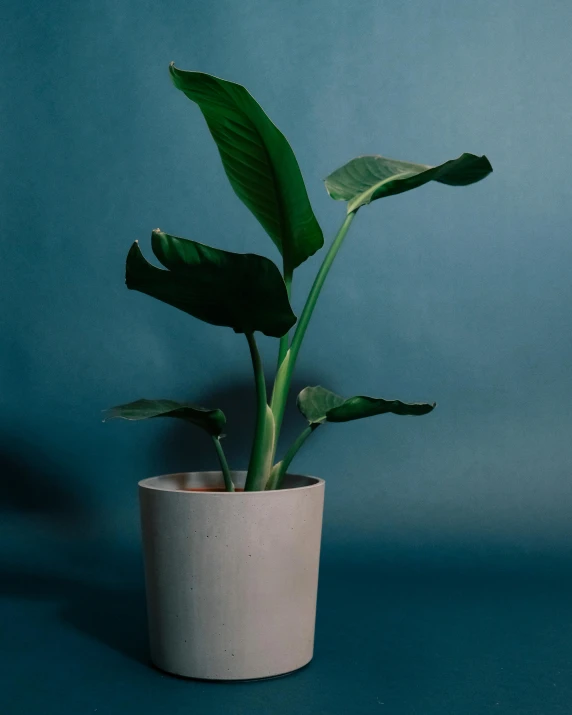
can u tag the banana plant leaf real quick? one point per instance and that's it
(213, 421)
(362, 180)
(258, 162)
(319, 405)
(242, 291)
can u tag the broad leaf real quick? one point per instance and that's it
(367, 178)
(242, 291)
(320, 405)
(213, 421)
(258, 161)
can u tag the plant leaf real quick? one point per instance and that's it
(240, 290)
(258, 162)
(213, 421)
(367, 178)
(320, 405)
(314, 403)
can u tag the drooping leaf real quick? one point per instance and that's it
(367, 178)
(258, 161)
(320, 405)
(242, 291)
(213, 421)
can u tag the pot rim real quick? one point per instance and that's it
(145, 484)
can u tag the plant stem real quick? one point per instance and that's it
(284, 339)
(256, 467)
(284, 375)
(223, 465)
(281, 468)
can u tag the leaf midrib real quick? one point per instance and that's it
(281, 208)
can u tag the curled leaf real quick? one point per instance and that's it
(320, 405)
(211, 420)
(362, 180)
(242, 291)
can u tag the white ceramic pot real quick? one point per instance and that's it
(232, 578)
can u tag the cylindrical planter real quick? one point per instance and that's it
(231, 577)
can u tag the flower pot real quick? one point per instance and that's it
(231, 578)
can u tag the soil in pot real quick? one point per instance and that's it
(209, 489)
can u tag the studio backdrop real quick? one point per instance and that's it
(459, 296)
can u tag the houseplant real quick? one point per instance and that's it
(209, 618)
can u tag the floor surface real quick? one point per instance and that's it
(399, 639)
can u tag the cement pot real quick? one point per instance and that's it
(232, 578)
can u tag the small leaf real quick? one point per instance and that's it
(320, 405)
(314, 403)
(258, 162)
(242, 291)
(213, 421)
(367, 178)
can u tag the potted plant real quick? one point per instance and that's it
(232, 557)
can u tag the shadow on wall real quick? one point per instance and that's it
(38, 491)
(186, 449)
(32, 484)
(105, 598)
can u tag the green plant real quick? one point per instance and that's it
(247, 292)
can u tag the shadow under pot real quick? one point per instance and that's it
(231, 577)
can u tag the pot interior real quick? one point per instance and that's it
(213, 482)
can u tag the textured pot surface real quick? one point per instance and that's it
(232, 578)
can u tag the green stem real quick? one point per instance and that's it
(223, 465)
(284, 375)
(256, 467)
(281, 468)
(284, 339)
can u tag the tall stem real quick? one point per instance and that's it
(257, 465)
(223, 465)
(284, 375)
(281, 468)
(284, 339)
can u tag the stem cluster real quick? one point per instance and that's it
(270, 414)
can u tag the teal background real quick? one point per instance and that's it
(445, 578)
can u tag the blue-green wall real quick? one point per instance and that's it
(462, 296)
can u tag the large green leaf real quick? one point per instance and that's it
(367, 178)
(258, 161)
(320, 405)
(242, 291)
(213, 421)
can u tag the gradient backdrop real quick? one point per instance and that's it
(458, 295)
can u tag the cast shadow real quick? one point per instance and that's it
(40, 497)
(112, 615)
(420, 633)
(33, 485)
(109, 606)
(377, 620)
